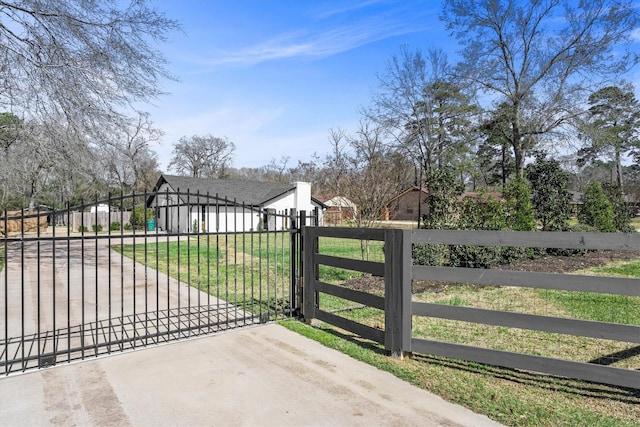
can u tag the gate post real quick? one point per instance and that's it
(397, 284)
(294, 272)
(308, 246)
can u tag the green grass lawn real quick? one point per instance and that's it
(250, 271)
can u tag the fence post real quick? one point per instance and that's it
(308, 247)
(294, 230)
(397, 301)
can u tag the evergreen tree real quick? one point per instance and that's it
(519, 211)
(621, 217)
(597, 211)
(550, 194)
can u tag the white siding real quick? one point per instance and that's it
(224, 219)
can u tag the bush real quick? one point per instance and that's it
(140, 215)
(96, 228)
(82, 229)
(482, 212)
(597, 211)
(444, 190)
(428, 254)
(519, 211)
(621, 214)
(470, 256)
(127, 227)
(115, 226)
(549, 193)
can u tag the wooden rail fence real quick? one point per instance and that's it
(400, 308)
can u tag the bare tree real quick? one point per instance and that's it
(80, 61)
(126, 153)
(276, 170)
(202, 156)
(400, 105)
(366, 170)
(538, 58)
(41, 158)
(336, 164)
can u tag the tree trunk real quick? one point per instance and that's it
(519, 154)
(619, 170)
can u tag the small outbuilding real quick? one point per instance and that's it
(406, 206)
(339, 209)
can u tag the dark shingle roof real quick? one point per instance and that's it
(254, 193)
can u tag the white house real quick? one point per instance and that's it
(187, 204)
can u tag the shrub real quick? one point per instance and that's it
(424, 254)
(597, 210)
(621, 215)
(96, 228)
(577, 228)
(82, 229)
(444, 191)
(140, 215)
(549, 193)
(518, 208)
(482, 212)
(128, 227)
(475, 256)
(115, 226)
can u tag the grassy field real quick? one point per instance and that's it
(250, 271)
(242, 269)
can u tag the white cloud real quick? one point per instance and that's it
(635, 35)
(321, 38)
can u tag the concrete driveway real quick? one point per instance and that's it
(264, 376)
(259, 376)
(82, 297)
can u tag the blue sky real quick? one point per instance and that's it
(274, 76)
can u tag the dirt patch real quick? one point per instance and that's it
(568, 264)
(546, 263)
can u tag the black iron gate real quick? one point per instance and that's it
(137, 270)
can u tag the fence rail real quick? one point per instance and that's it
(403, 311)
